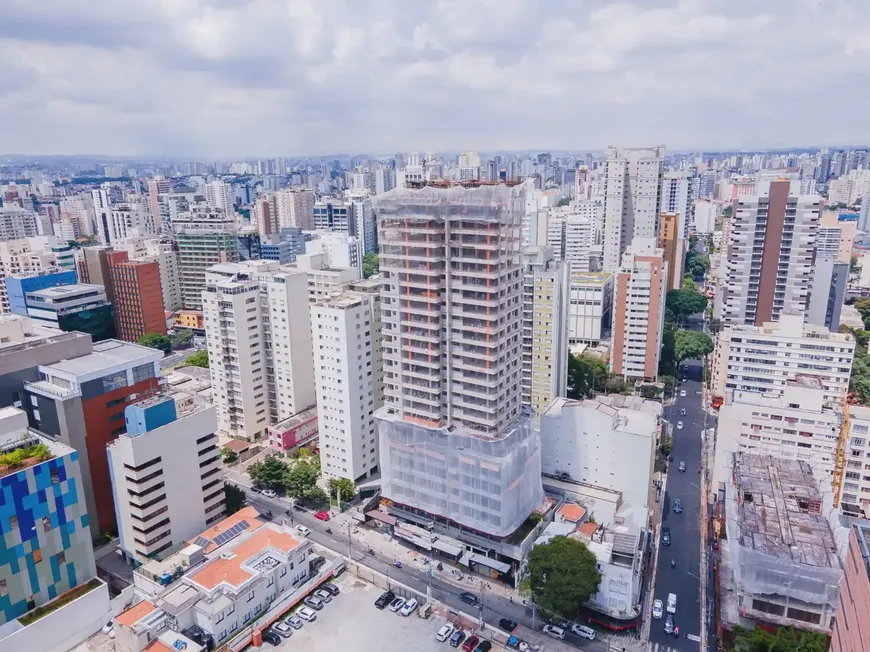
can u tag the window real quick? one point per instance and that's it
(37, 556)
(61, 557)
(115, 381)
(250, 596)
(143, 372)
(46, 523)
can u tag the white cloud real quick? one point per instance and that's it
(225, 78)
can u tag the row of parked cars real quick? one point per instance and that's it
(396, 604)
(307, 613)
(456, 637)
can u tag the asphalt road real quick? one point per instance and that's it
(684, 579)
(495, 607)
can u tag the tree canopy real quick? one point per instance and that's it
(786, 639)
(156, 341)
(235, 498)
(691, 344)
(371, 265)
(563, 202)
(301, 480)
(563, 574)
(859, 381)
(270, 473)
(342, 486)
(181, 338)
(198, 359)
(697, 264)
(684, 303)
(689, 283)
(586, 374)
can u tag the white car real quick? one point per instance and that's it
(555, 632)
(283, 629)
(445, 632)
(304, 531)
(397, 604)
(109, 629)
(658, 609)
(325, 596)
(308, 614)
(268, 493)
(409, 608)
(583, 631)
(682, 393)
(679, 425)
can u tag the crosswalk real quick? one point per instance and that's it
(658, 647)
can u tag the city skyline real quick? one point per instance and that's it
(209, 78)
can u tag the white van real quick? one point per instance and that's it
(672, 603)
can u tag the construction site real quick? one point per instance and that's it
(778, 563)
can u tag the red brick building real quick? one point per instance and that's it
(138, 296)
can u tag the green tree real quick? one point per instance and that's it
(691, 344)
(616, 385)
(648, 390)
(697, 264)
(668, 357)
(198, 359)
(316, 496)
(156, 341)
(343, 486)
(301, 480)
(270, 473)
(587, 374)
(181, 338)
(563, 574)
(235, 498)
(371, 265)
(563, 202)
(229, 455)
(684, 303)
(689, 283)
(693, 241)
(715, 325)
(785, 639)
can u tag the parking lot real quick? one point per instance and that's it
(352, 622)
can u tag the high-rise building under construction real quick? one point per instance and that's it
(456, 444)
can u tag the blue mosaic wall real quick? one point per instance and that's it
(45, 541)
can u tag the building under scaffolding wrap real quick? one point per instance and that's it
(456, 444)
(779, 564)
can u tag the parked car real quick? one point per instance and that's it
(313, 602)
(304, 531)
(679, 425)
(283, 629)
(669, 624)
(269, 493)
(483, 646)
(470, 643)
(682, 466)
(445, 632)
(397, 604)
(295, 622)
(682, 393)
(507, 624)
(682, 412)
(457, 638)
(666, 536)
(307, 614)
(386, 598)
(555, 632)
(331, 588)
(469, 598)
(409, 608)
(678, 506)
(321, 516)
(316, 562)
(658, 609)
(324, 596)
(583, 631)
(271, 637)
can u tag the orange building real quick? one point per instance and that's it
(191, 319)
(138, 296)
(669, 243)
(852, 625)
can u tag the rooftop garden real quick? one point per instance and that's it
(23, 457)
(60, 601)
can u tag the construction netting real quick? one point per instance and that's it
(769, 561)
(489, 484)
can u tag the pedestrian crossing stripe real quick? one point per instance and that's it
(658, 647)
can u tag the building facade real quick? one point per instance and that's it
(80, 307)
(590, 307)
(138, 296)
(205, 237)
(853, 613)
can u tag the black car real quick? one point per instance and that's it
(666, 536)
(469, 598)
(271, 637)
(507, 624)
(331, 588)
(483, 646)
(316, 563)
(385, 599)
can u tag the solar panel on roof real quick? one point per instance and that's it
(202, 542)
(231, 533)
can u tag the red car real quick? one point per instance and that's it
(470, 643)
(323, 516)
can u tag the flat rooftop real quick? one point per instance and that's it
(107, 354)
(295, 420)
(62, 291)
(780, 511)
(590, 277)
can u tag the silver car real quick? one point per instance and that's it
(669, 624)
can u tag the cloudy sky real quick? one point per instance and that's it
(232, 78)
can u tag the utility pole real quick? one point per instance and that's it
(480, 605)
(349, 548)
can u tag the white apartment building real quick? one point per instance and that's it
(572, 238)
(127, 220)
(769, 253)
(590, 306)
(639, 291)
(16, 223)
(633, 183)
(23, 258)
(348, 373)
(323, 280)
(855, 497)
(794, 424)
(545, 328)
(219, 195)
(704, 216)
(764, 359)
(341, 250)
(383, 180)
(296, 208)
(79, 210)
(608, 441)
(257, 326)
(366, 228)
(163, 253)
(677, 198)
(452, 322)
(167, 477)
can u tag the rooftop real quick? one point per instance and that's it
(779, 511)
(107, 354)
(632, 412)
(590, 277)
(62, 291)
(212, 538)
(135, 613)
(572, 512)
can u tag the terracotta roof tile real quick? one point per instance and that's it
(135, 613)
(249, 514)
(572, 512)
